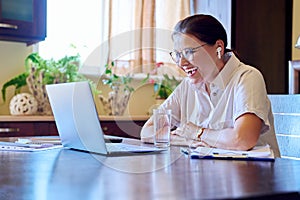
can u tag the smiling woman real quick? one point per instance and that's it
(222, 102)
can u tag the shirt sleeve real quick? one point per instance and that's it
(251, 97)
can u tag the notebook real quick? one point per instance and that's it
(78, 122)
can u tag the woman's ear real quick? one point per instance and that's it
(220, 43)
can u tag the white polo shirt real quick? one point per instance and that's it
(237, 89)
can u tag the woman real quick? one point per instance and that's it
(222, 102)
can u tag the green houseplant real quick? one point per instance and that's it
(118, 98)
(112, 79)
(39, 72)
(163, 86)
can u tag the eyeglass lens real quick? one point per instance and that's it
(188, 54)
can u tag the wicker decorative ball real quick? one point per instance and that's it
(23, 104)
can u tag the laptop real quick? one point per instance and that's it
(78, 122)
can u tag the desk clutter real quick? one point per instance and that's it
(262, 153)
(31, 144)
(259, 153)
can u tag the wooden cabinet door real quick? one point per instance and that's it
(122, 128)
(23, 20)
(261, 35)
(128, 128)
(23, 129)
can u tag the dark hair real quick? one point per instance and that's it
(204, 27)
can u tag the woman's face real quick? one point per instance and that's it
(201, 64)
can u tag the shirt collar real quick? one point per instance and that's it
(226, 73)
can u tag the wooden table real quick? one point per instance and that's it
(67, 174)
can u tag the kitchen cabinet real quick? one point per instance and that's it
(26, 128)
(23, 20)
(23, 126)
(123, 128)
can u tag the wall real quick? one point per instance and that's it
(12, 56)
(296, 29)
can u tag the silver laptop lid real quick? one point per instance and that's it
(76, 116)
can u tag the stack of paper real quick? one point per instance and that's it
(257, 153)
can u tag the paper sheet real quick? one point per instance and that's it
(29, 147)
(259, 152)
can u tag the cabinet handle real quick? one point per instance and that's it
(8, 130)
(9, 26)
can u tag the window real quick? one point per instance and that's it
(84, 27)
(219, 9)
(72, 27)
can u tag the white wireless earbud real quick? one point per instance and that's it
(219, 49)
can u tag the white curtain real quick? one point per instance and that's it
(139, 31)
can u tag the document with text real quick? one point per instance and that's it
(257, 153)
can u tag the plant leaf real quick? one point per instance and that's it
(18, 81)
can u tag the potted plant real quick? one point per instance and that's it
(39, 72)
(118, 98)
(163, 86)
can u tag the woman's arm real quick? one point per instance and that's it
(147, 131)
(243, 136)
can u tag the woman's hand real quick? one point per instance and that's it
(188, 131)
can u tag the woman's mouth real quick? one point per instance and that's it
(190, 71)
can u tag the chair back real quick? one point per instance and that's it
(286, 112)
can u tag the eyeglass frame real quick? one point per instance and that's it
(193, 50)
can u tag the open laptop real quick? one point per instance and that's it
(78, 123)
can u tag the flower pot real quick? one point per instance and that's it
(38, 90)
(116, 103)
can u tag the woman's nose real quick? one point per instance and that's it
(182, 61)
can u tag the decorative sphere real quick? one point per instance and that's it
(23, 104)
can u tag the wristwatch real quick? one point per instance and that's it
(199, 134)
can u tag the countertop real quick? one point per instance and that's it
(19, 118)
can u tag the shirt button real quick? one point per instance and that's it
(214, 94)
(213, 85)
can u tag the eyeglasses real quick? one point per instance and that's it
(187, 53)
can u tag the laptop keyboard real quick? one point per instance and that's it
(127, 148)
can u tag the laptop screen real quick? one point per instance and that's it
(76, 116)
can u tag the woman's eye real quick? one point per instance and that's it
(188, 51)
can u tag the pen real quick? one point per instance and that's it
(184, 151)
